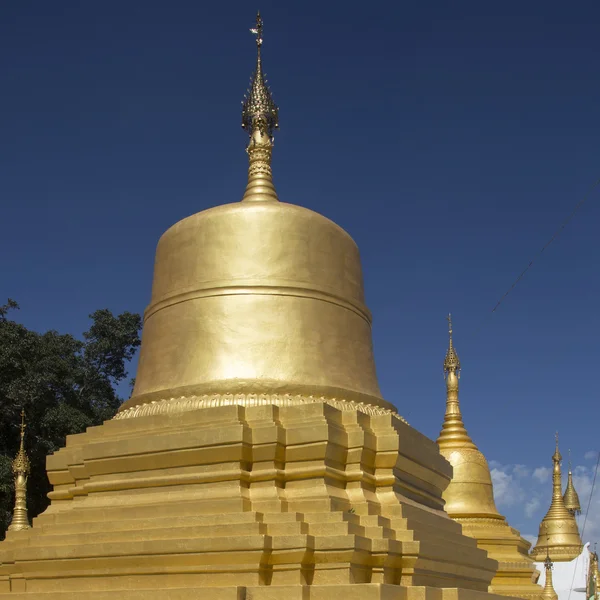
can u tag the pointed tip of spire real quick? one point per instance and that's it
(260, 118)
(258, 108)
(557, 457)
(451, 362)
(21, 462)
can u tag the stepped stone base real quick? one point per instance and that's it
(363, 591)
(516, 575)
(265, 502)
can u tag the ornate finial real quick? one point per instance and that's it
(454, 433)
(258, 108)
(557, 455)
(21, 468)
(548, 593)
(260, 118)
(452, 362)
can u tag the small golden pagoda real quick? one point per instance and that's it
(21, 468)
(549, 593)
(558, 536)
(470, 497)
(571, 497)
(256, 458)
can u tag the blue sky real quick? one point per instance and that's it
(449, 139)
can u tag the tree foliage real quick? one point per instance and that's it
(64, 385)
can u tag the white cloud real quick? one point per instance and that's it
(591, 455)
(532, 539)
(521, 471)
(532, 506)
(507, 490)
(542, 474)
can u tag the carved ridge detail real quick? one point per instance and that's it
(188, 403)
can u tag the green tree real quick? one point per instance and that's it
(64, 384)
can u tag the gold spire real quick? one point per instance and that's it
(21, 468)
(470, 494)
(470, 497)
(260, 118)
(549, 592)
(559, 535)
(571, 497)
(454, 433)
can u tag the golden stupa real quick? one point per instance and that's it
(559, 536)
(571, 497)
(256, 457)
(470, 497)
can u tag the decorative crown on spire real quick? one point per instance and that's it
(21, 468)
(549, 592)
(258, 108)
(557, 456)
(259, 118)
(21, 462)
(452, 362)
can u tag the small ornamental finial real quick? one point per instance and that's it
(21, 468)
(557, 455)
(451, 362)
(260, 118)
(548, 592)
(259, 111)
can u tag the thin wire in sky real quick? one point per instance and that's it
(537, 256)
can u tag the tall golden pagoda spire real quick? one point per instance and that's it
(559, 535)
(21, 468)
(454, 433)
(260, 118)
(571, 497)
(470, 496)
(549, 592)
